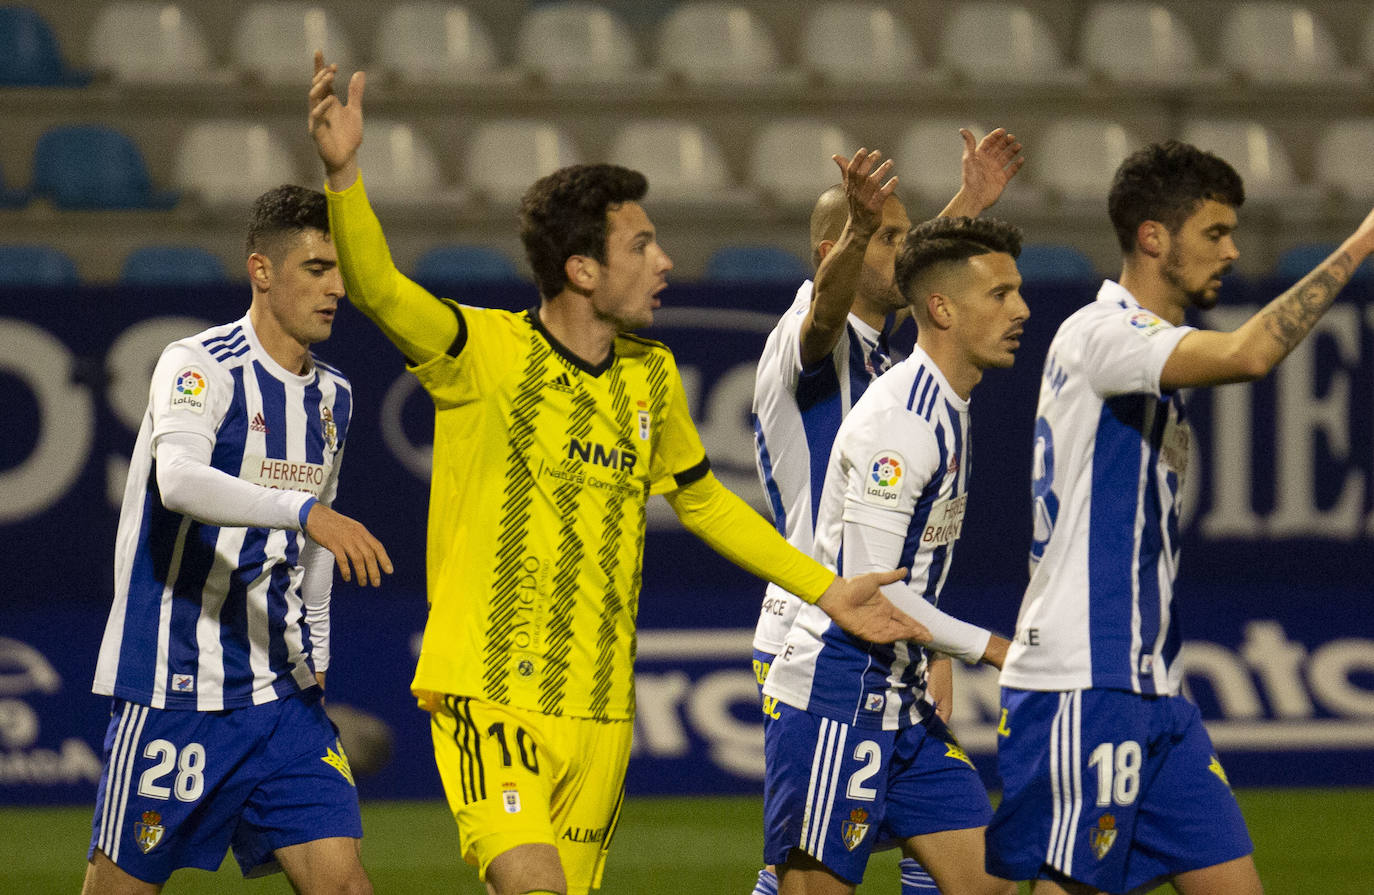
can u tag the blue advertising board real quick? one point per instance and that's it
(1276, 606)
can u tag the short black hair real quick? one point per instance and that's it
(564, 214)
(286, 210)
(1166, 182)
(946, 240)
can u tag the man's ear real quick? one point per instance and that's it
(940, 309)
(260, 271)
(1153, 238)
(582, 272)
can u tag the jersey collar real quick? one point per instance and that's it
(566, 353)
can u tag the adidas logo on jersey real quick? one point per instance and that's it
(562, 384)
(258, 424)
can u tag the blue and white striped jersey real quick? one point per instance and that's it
(796, 415)
(898, 474)
(208, 617)
(1111, 454)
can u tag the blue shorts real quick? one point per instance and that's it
(1109, 788)
(835, 791)
(180, 787)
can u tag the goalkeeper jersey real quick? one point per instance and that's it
(542, 468)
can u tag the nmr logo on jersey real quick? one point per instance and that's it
(189, 391)
(883, 486)
(595, 452)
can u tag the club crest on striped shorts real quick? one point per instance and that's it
(855, 828)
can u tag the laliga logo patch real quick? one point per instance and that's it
(1103, 836)
(1147, 323)
(855, 828)
(148, 832)
(883, 485)
(188, 391)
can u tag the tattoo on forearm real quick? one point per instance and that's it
(1292, 315)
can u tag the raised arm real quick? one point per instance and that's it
(988, 166)
(837, 278)
(1250, 352)
(414, 320)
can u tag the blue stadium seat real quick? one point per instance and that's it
(465, 264)
(755, 264)
(1049, 261)
(1296, 262)
(172, 265)
(29, 53)
(36, 265)
(91, 166)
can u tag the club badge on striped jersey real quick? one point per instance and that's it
(643, 420)
(1103, 836)
(148, 832)
(854, 829)
(189, 390)
(331, 431)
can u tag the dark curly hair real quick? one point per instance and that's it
(564, 214)
(1166, 182)
(282, 211)
(944, 240)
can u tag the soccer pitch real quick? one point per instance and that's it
(1306, 841)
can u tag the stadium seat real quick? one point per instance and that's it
(848, 42)
(465, 264)
(1139, 43)
(148, 41)
(680, 159)
(91, 167)
(399, 163)
(576, 42)
(755, 264)
(1296, 262)
(1042, 262)
(989, 42)
(716, 43)
(1277, 42)
(172, 265)
(434, 42)
(30, 55)
(275, 42)
(928, 156)
(505, 157)
(1079, 156)
(1343, 158)
(229, 161)
(36, 265)
(790, 160)
(1252, 149)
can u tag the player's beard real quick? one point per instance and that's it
(1203, 299)
(880, 290)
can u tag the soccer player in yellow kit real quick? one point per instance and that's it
(552, 429)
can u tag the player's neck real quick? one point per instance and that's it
(577, 330)
(1154, 293)
(961, 373)
(870, 312)
(280, 346)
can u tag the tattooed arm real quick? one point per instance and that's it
(1250, 352)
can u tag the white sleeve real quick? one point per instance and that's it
(1124, 352)
(317, 583)
(191, 486)
(871, 549)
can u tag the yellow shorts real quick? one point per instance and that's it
(515, 777)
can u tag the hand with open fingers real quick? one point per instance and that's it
(355, 549)
(336, 128)
(989, 165)
(856, 605)
(864, 189)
